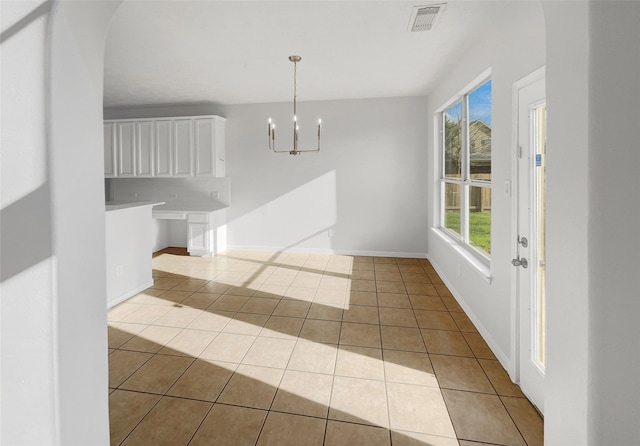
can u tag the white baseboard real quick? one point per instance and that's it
(499, 354)
(411, 255)
(112, 303)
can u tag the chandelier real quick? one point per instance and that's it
(272, 127)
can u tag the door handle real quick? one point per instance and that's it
(520, 262)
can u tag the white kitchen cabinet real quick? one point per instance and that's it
(126, 149)
(182, 147)
(144, 148)
(165, 147)
(109, 150)
(199, 234)
(209, 146)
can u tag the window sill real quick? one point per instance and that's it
(481, 266)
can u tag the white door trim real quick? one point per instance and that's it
(535, 76)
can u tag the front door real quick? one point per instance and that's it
(529, 259)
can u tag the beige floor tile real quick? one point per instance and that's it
(358, 400)
(446, 343)
(325, 312)
(270, 352)
(481, 417)
(300, 294)
(171, 421)
(165, 283)
(229, 302)
(415, 277)
(432, 303)
(363, 264)
(260, 305)
(395, 300)
(309, 280)
(327, 332)
(190, 285)
(304, 393)
(409, 368)
(123, 363)
(188, 342)
(349, 434)
(463, 322)
(126, 409)
(252, 386)
(122, 310)
(460, 373)
(282, 429)
(203, 380)
(362, 298)
(411, 268)
(425, 289)
(179, 317)
(157, 374)
(418, 409)
(228, 347)
(402, 338)
(331, 282)
(399, 317)
(313, 357)
(246, 324)
(151, 339)
(478, 346)
(388, 276)
(230, 426)
(436, 320)
(212, 320)
(390, 287)
(360, 335)
(405, 438)
(358, 274)
(360, 362)
(527, 419)
(147, 314)
(363, 285)
(452, 304)
(271, 291)
(282, 327)
(361, 314)
(329, 297)
(379, 266)
(292, 308)
(120, 332)
(171, 297)
(442, 290)
(200, 300)
(148, 296)
(500, 379)
(279, 280)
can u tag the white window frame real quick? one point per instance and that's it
(460, 242)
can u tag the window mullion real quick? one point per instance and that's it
(464, 187)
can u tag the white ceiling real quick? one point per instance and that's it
(235, 52)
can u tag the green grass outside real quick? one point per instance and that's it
(479, 227)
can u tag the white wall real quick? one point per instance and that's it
(614, 211)
(367, 184)
(54, 332)
(512, 49)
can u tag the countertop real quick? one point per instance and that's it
(191, 206)
(119, 205)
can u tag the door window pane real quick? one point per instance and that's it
(452, 207)
(453, 141)
(480, 132)
(480, 218)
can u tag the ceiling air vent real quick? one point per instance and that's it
(424, 17)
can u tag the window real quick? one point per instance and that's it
(465, 182)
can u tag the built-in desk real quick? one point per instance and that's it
(206, 224)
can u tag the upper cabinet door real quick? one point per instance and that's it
(220, 147)
(183, 147)
(204, 147)
(126, 149)
(145, 148)
(109, 149)
(163, 156)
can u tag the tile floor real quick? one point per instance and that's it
(293, 349)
